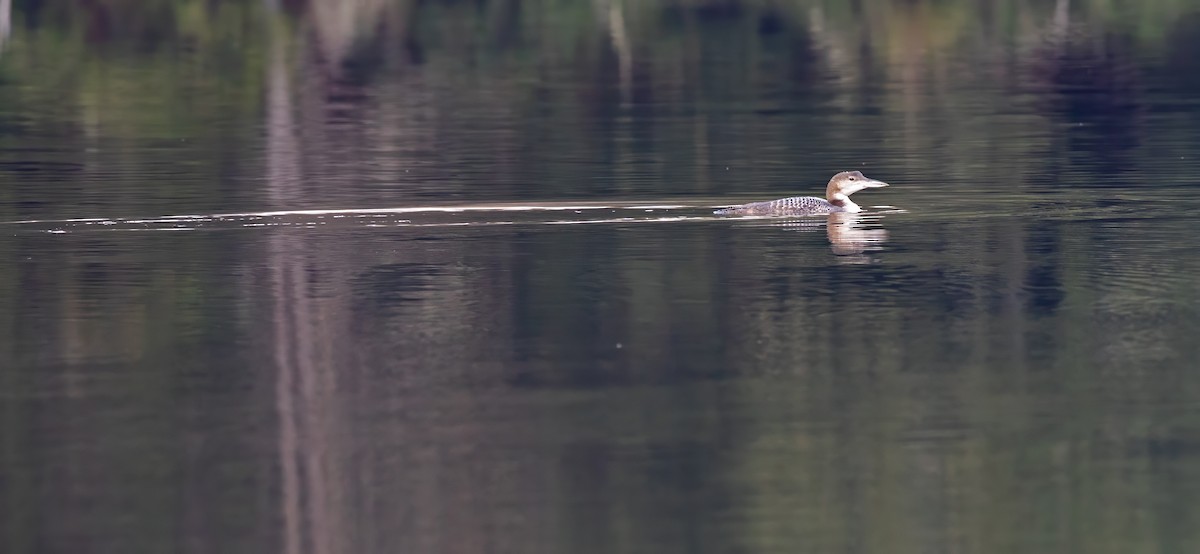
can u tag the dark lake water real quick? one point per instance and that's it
(443, 276)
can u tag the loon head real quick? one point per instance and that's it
(842, 185)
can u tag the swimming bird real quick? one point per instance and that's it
(837, 199)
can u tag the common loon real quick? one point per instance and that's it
(837, 199)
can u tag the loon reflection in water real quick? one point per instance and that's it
(848, 237)
(837, 199)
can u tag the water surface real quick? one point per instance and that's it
(442, 277)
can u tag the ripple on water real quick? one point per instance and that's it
(428, 216)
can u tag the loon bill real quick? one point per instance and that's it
(837, 199)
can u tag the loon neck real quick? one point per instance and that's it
(842, 201)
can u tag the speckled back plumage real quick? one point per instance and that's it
(795, 205)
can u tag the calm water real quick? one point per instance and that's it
(443, 277)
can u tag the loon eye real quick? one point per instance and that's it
(851, 177)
